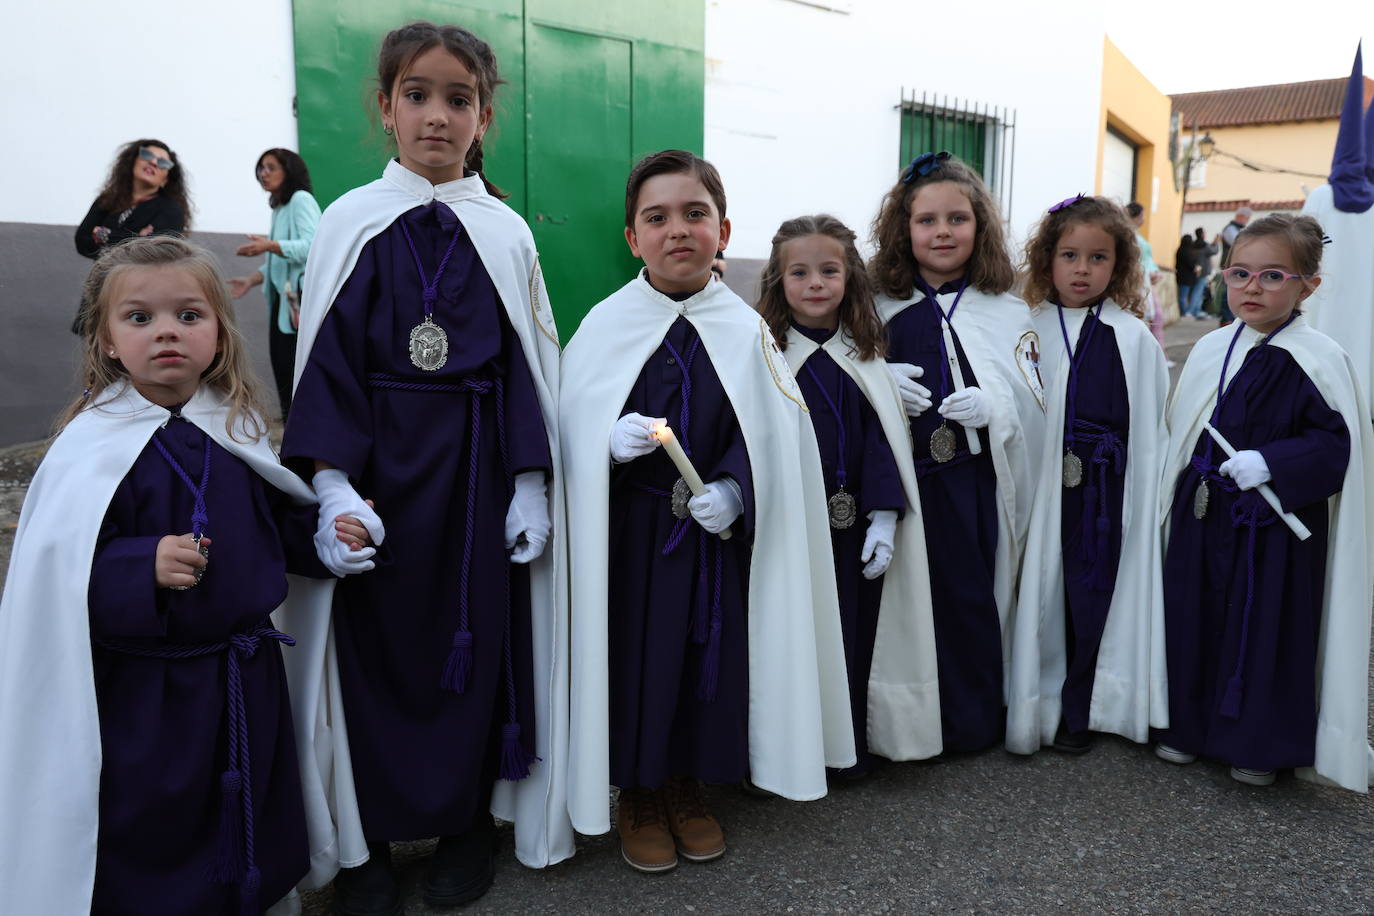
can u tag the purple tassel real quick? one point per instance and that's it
(1101, 573)
(515, 763)
(248, 892)
(1230, 703)
(458, 668)
(710, 665)
(227, 865)
(700, 614)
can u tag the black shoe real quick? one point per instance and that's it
(371, 888)
(462, 867)
(1075, 743)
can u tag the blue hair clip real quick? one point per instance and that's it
(1066, 202)
(923, 165)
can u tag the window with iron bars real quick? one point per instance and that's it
(983, 136)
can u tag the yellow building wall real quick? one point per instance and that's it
(1301, 147)
(1134, 107)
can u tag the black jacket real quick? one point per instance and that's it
(158, 212)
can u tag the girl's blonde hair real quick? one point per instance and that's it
(1126, 287)
(1299, 232)
(894, 269)
(229, 372)
(856, 310)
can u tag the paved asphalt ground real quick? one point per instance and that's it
(1115, 831)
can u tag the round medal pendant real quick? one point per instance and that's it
(199, 573)
(681, 494)
(843, 510)
(1200, 497)
(1073, 470)
(428, 346)
(943, 444)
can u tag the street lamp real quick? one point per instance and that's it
(1197, 149)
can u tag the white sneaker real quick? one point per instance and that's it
(1174, 755)
(1252, 777)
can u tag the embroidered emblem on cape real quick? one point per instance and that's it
(777, 364)
(1028, 359)
(539, 304)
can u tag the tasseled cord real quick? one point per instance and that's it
(227, 866)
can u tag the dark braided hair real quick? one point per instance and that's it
(402, 46)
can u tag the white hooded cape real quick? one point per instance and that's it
(904, 683)
(1343, 306)
(1130, 692)
(1003, 351)
(536, 803)
(1343, 753)
(50, 754)
(799, 718)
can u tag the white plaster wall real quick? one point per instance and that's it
(81, 77)
(801, 100)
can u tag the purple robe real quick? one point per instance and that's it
(1091, 513)
(959, 509)
(437, 452)
(1257, 711)
(164, 721)
(668, 579)
(873, 480)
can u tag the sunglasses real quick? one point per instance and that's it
(148, 155)
(1270, 278)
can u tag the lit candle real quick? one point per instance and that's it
(664, 434)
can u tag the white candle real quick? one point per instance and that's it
(664, 434)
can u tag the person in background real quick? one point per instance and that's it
(1188, 272)
(145, 193)
(1227, 238)
(1154, 316)
(1204, 252)
(295, 214)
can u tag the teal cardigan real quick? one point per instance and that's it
(293, 227)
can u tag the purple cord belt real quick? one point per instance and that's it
(457, 671)
(234, 861)
(1108, 457)
(1251, 512)
(706, 622)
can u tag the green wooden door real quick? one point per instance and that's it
(578, 140)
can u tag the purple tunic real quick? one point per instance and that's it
(423, 755)
(1090, 521)
(959, 509)
(164, 722)
(669, 579)
(1256, 708)
(871, 477)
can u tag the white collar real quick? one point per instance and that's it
(706, 292)
(418, 186)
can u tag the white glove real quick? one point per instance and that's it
(717, 508)
(877, 552)
(969, 408)
(915, 398)
(632, 436)
(527, 520)
(1248, 469)
(337, 497)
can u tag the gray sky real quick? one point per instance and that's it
(1190, 47)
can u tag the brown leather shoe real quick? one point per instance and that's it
(698, 834)
(642, 822)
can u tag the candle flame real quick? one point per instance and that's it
(660, 429)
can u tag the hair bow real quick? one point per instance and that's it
(923, 165)
(1066, 202)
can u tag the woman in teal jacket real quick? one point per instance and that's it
(295, 214)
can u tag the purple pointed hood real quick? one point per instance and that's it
(1369, 143)
(1351, 187)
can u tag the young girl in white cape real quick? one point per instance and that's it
(145, 731)
(1087, 650)
(1267, 615)
(818, 302)
(942, 272)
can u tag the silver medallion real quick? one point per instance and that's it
(681, 494)
(1200, 500)
(943, 443)
(428, 346)
(1073, 470)
(199, 573)
(843, 510)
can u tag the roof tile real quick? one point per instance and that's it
(1314, 100)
